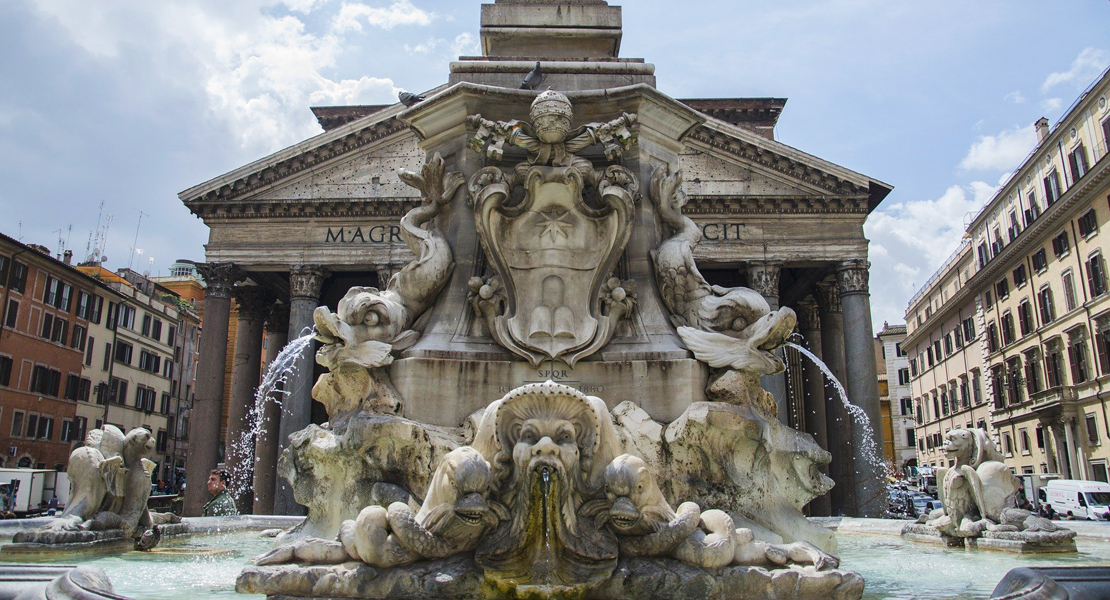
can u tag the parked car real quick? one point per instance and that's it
(1083, 499)
(925, 504)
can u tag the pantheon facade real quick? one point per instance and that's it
(297, 229)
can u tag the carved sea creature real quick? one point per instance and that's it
(646, 525)
(724, 327)
(453, 517)
(979, 493)
(372, 324)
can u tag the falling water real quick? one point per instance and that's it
(270, 390)
(870, 451)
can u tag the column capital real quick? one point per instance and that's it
(852, 275)
(277, 319)
(828, 296)
(809, 314)
(219, 278)
(253, 301)
(763, 277)
(306, 281)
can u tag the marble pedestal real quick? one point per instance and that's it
(1019, 542)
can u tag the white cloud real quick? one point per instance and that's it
(465, 44)
(402, 12)
(1090, 63)
(1015, 96)
(911, 240)
(1052, 104)
(1004, 151)
(303, 6)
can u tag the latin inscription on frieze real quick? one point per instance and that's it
(558, 375)
(721, 232)
(363, 234)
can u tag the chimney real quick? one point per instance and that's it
(67, 257)
(1042, 129)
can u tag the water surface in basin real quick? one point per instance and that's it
(896, 569)
(205, 566)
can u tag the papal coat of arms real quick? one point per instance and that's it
(554, 247)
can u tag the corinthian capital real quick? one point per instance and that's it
(809, 314)
(306, 281)
(763, 277)
(277, 318)
(852, 276)
(253, 302)
(828, 296)
(219, 278)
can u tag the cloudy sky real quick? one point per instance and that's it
(127, 102)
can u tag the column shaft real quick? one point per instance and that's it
(813, 392)
(838, 421)
(245, 374)
(204, 418)
(1062, 462)
(763, 277)
(863, 389)
(1073, 451)
(266, 446)
(305, 282)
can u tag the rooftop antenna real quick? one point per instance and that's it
(61, 243)
(92, 250)
(131, 260)
(103, 258)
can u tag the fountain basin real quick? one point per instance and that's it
(206, 563)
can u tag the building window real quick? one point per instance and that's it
(1023, 441)
(150, 362)
(911, 438)
(1025, 317)
(1061, 244)
(1014, 383)
(126, 317)
(12, 315)
(992, 338)
(46, 381)
(156, 330)
(5, 370)
(929, 354)
(77, 340)
(1068, 281)
(913, 367)
(965, 395)
(1040, 437)
(1092, 429)
(1007, 444)
(1032, 373)
(67, 431)
(5, 266)
(1052, 187)
(969, 329)
(83, 305)
(984, 256)
(1002, 289)
(1053, 365)
(17, 423)
(1034, 209)
(1019, 276)
(107, 356)
(1048, 310)
(1077, 160)
(1077, 356)
(936, 351)
(906, 407)
(903, 376)
(124, 352)
(958, 336)
(898, 350)
(1087, 223)
(997, 387)
(119, 391)
(1007, 328)
(1102, 345)
(976, 386)
(146, 324)
(944, 401)
(89, 347)
(161, 441)
(1096, 275)
(988, 299)
(948, 344)
(1040, 260)
(17, 281)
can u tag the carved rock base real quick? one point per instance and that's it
(634, 578)
(62, 542)
(1020, 542)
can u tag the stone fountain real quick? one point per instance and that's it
(550, 245)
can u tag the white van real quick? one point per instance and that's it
(1084, 499)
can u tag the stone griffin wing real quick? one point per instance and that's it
(942, 477)
(114, 474)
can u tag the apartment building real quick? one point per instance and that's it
(49, 308)
(1013, 333)
(900, 436)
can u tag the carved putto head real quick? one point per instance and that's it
(551, 117)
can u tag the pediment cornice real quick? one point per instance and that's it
(807, 171)
(369, 208)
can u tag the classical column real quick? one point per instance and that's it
(204, 419)
(1073, 449)
(763, 277)
(813, 391)
(839, 429)
(1062, 452)
(305, 282)
(239, 443)
(863, 387)
(266, 445)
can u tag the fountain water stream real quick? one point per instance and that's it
(870, 450)
(270, 390)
